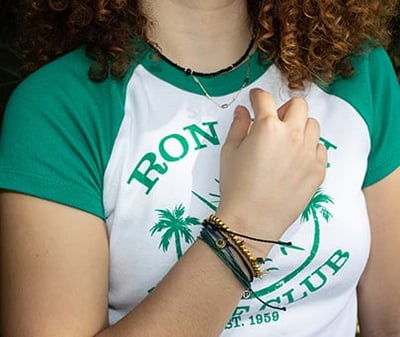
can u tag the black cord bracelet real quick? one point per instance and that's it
(223, 228)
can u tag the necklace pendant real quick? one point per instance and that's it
(225, 106)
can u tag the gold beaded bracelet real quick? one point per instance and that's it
(255, 262)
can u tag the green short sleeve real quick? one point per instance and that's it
(375, 93)
(57, 134)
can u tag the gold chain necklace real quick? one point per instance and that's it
(233, 99)
(194, 74)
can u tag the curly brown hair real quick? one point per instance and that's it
(307, 39)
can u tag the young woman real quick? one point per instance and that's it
(278, 118)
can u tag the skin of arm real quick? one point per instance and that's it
(54, 259)
(54, 266)
(379, 288)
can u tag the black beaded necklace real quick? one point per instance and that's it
(190, 72)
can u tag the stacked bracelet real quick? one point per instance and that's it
(255, 262)
(219, 224)
(250, 260)
(232, 250)
(228, 254)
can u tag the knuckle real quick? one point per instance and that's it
(296, 136)
(322, 154)
(312, 122)
(320, 169)
(316, 159)
(298, 103)
(261, 99)
(269, 123)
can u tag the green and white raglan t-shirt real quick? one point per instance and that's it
(142, 153)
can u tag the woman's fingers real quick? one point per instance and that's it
(266, 162)
(311, 131)
(263, 104)
(239, 127)
(322, 156)
(294, 111)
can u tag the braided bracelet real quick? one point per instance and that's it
(222, 247)
(255, 263)
(227, 252)
(217, 224)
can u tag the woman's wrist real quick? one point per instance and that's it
(234, 250)
(251, 227)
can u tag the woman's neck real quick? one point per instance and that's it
(204, 35)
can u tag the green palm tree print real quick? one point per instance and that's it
(175, 227)
(314, 208)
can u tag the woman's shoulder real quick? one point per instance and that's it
(373, 76)
(374, 92)
(64, 85)
(369, 63)
(70, 69)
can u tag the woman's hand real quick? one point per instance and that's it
(55, 259)
(271, 167)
